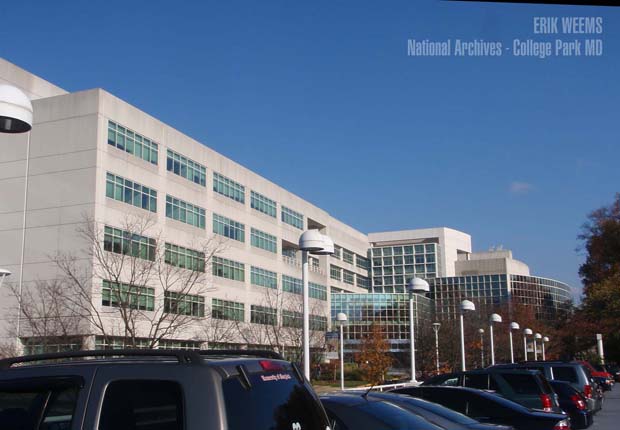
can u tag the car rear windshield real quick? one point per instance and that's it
(563, 389)
(436, 409)
(397, 418)
(272, 401)
(24, 404)
(564, 373)
(522, 383)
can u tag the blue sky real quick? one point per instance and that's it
(514, 151)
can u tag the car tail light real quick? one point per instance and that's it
(578, 402)
(546, 402)
(562, 425)
(271, 366)
(587, 391)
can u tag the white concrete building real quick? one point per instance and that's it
(94, 155)
(427, 253)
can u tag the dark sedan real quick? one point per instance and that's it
(487, 407)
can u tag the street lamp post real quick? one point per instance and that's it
(3, 274)
(313, 242)
(466, 305)
(16, 115)
(436, 326)
(481, 333)
(342, 318)
(415, 285)
(544, 340)
(526, 332)
(513, 326)
(537, 336)
(494, 318)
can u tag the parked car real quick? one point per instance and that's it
(615, 371)
(436, 413)
(573, 403)
(600, 374)
(571, 372)
(157, 390)
(356, 411)
(527, 387)
(604, 383)
(487, 407)
(598, 371)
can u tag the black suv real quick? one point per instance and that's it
(157, 390)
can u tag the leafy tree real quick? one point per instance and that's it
(601, 241)
(374, 356)
(600, 273)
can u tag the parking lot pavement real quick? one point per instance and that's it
(609, 417)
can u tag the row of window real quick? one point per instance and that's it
(388, 251)
(350, 257)
(184, 257)
(132, 142)
(143, 298)
(407, 269)
(348, 277)
(123, 242)
(235, 311)
(133, 193)
(400, 260)
(138, 145)
(186, 168)
(295, 286)
(228, 228)
(126, 243)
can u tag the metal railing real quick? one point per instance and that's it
(384, 387)
(297, 263)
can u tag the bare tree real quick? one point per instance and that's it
(216, 331)
(134, 287)
(282, 328)
(47, 318)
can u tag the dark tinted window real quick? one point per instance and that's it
(275, 401)
(451, 382)
(522, 384)
(544, 383)
(142, 405)
(563, 389)
(479, 407)
(539, 368)
(564, 373)
(453, 399)
(21, 407)
(475, 380)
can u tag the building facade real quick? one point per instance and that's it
(93, 159)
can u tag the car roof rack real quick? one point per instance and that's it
(260, 353)
(183, 356)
